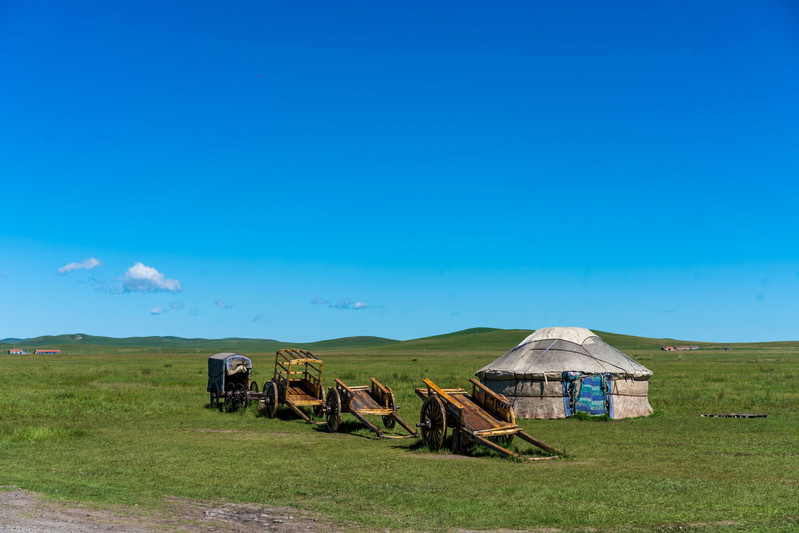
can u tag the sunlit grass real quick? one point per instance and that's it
(134, 428)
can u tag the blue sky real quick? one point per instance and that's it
(302, 171)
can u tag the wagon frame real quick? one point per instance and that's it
(360, 401)
(297, 382)
(475, 418)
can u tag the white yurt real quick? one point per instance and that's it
(557, 372)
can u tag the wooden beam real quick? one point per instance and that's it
(532, 440)
(443, 394)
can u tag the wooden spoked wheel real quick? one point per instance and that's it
(228, 397)
(240, 397)
(333, 410)
(271, 400)
(388, 420)
(433, 422)
(254, 386)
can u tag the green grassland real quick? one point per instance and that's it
(122, 424)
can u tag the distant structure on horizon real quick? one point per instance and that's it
(679, 348)
(47, 352)
(16, 351)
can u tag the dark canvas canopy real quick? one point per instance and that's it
(223, 365)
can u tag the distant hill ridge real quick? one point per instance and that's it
(488, 339)
(230, 343)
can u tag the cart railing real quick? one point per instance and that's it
(289, 356)
(444, 395)
(380, 392)
(299, 366)
(315, 383)
(494, 403)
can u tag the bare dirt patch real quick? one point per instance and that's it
(23, 511)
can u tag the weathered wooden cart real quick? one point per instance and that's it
(297, 383)
(229, 381)
(375, 399)
(482, 417)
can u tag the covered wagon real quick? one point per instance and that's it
(228, 379)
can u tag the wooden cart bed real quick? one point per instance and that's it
(300, 397)
(473, 417)
(297, 382)
(375, 399)
(363, 402)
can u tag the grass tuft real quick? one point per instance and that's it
(591, 418)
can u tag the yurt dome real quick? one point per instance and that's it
(559, 371)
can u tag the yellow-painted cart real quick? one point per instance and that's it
(482, 417)
(297, 383)
(375, 399)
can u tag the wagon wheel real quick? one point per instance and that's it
(228, 401)
(271, 400)
(233, 402)
(433, 421)
(333, 411)
(254, 386)
(388, 420)
(240, 397)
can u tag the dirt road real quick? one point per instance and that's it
(23, 511)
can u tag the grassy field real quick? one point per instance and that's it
(121, 426)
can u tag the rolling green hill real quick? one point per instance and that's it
(91, 343)
(469, 340)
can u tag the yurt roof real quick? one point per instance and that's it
(549, 352)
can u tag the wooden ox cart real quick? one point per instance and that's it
(297, 383)
(375, 399)
(482, 417)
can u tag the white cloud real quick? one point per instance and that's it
(140, 277)
(348, 304)
(342, 304)
(86, 264)
(161, 309)
(223, 305)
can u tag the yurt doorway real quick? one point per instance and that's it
(591, 395)
(587, 393)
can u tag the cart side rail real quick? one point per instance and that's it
(291, 354)
(496, 404)
(380, 392)
(287, 356)
(345, 394)
(341, 386)
(443, 394)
